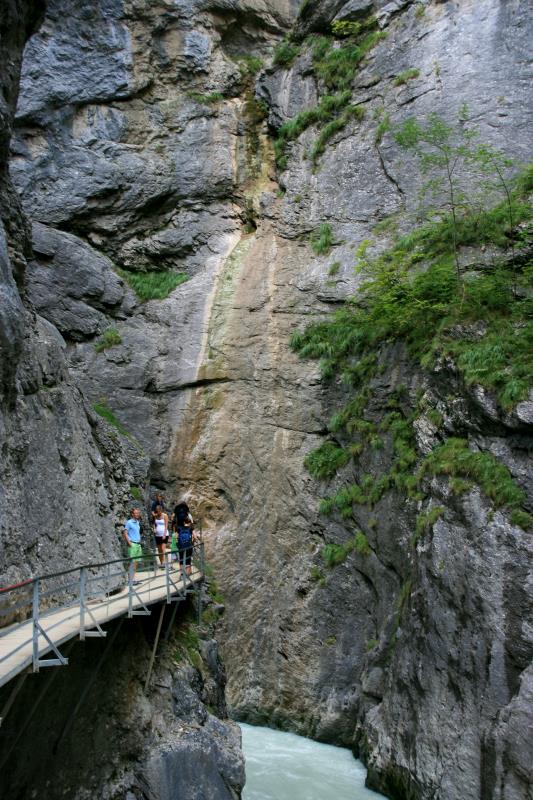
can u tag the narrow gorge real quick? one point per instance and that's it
(274, 257)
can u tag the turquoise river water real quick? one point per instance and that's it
(283, 766)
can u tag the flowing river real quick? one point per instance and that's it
(283, 766)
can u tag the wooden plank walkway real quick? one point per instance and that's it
(16, 641)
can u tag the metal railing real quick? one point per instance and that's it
(37, 601)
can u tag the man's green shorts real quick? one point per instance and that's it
(135, 550)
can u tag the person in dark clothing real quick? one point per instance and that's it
(183, 525)
(158, 501)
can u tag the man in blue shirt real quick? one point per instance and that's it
(132, 535)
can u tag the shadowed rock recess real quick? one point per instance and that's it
(200, 178)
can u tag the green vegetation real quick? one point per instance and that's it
(335, 65)
(136, 493)
(326, 460)
(317, 575)
(188, 641)
(371, 644)
(521, 518)
(249, 65)
(285, 53)
(417, 293)
(110, 338)
(455, 459)
(384, 126)
(102, 409)
(332, 128)
(335, 267)
(335, 554)
(321, 239)
(426, 520)
(328, 108)
(153, 285)
(406, 75)
(206, 99)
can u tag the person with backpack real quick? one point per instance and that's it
(183, 526)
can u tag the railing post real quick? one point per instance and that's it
(130, 588)
(83, 580)
(35, 618)
(202, 557)
(167, 576)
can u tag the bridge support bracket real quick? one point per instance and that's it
(60, 661)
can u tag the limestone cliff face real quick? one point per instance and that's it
(147, 145)
(64, 477)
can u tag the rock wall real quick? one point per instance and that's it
(145, 147)
(91, 729)
(64, 476)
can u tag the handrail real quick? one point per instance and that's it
(75, 597)
(49, 575)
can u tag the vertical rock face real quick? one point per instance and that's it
(115, 738)
(63, 478)
(143, 146)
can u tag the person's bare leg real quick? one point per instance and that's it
(161, 551)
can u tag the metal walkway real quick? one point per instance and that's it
(52, 609)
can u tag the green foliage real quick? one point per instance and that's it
(321, 239)
(317, 575)
(335, 554)
(449, 156)
(371, 644)
(455, 459)
(110, 338)
(328, 108)
(188, 641)
(333, 127)
(330, 641)
(285, 53)
(522, 519)
(136, 492)
(249, 66)
(460, 486)
(326, 460)
(206, 99)
(384, 126)
(426, 520)
(335, 267)
(153, 285)
(435, 417)
(344, 28)
(102, 409)
(361, 544)
(406, 75)
(335, 65)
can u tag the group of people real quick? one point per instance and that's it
(176, 529)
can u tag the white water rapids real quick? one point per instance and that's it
(283, 766)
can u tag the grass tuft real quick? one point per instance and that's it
(153, 285)
(321, 239)
(406, 75)
(110, 338)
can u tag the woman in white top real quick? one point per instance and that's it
(160, 528)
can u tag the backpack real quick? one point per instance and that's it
(184, 538)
